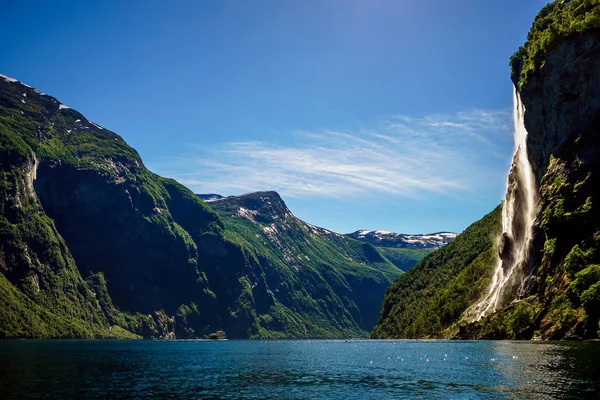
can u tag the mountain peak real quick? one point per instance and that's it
(400, 240)
(208, 197)
(263, 206)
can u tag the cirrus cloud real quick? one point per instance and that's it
(455, 155)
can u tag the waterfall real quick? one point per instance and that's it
(518, 216)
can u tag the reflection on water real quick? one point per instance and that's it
(297, 369)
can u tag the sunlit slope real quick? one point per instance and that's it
(431, 296)
(310, 267)
(95, 245)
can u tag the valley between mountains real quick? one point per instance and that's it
(94, 245)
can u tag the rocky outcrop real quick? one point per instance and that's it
(563, 121)
(561, 96)
(557, 74)
(562, 100)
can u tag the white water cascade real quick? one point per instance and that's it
(518, 216)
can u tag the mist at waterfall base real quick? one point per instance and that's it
(518, 216)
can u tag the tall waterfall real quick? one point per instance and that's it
(518, 215)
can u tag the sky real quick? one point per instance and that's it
(362, 114)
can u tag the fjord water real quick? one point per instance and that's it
(321, 369)
(518, 216)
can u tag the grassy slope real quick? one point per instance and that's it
(97, 234)
(404, 259)
(35, 261)
(429, 298)
(331, 278)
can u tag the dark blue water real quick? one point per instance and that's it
(297, 369)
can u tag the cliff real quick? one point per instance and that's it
(557, 74)
(93, 244)
(562, 102)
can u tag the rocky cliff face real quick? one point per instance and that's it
(562, 99)
(563, 120)
(92, 244)
(557, 73)
(558, 76)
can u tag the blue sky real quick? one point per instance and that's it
(374, 114)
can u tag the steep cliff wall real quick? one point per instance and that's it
(563, 121)
(92, 244)
(558, 75)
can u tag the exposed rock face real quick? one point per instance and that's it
(562, 100)
(560, 298)
(92, 244)
(562, 117)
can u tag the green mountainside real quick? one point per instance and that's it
(313, 271)
(557, 73)
(430, 298)
(392, 246)
(92, 244)
(404, 259)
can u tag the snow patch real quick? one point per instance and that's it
(97, 126)
(63, 107)
(8, 78)
(77, 120)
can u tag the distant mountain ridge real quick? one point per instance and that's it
(209, 196)
(378, 238)
(406, 241)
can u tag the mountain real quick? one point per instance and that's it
(93, 244)
(310, 267)
(403, 250)
(404, 241)
(430, 297)
(551, 289)
(557, 73)
(209, 196)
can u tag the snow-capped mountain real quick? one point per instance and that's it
(400, 240)
(209, 196)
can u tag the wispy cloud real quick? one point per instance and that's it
(453, 155)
